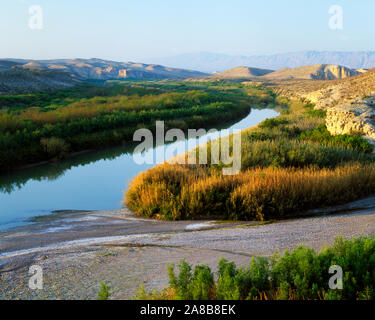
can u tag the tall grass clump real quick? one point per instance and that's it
(301, 274)
(295, 153)
(174, 192)
(55, 148)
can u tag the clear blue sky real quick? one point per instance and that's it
(141, 29)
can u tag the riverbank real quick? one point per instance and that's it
(51, 128)
(136, 250)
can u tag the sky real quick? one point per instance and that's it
(124, 30)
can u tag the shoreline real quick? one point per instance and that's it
(58, 230)
(133, 255)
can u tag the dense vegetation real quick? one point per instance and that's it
(289, 164)
(300, 274)
(44, 126)
(174, 192)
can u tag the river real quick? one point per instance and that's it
(91, 181)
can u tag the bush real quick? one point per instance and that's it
(55, 148)
(188, 286)
(322, 135)
(272, 123)
(302, 274)
(104, 292)
(316, 113)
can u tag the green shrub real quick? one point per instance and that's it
(272, 123)
(188, 286)
(300, 274)
(322, 135)
(104, 292)
(283, 153)
(55, 148)
(316, 113)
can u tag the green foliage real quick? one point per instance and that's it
(295, 153)
(55, 148)
(322, 135)
(104, 291)
(198, 285)
(242, 283)
(316, 113)
(302, 274)
(273, 123)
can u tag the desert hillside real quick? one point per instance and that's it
(104, 70)
(241, 73)
(19, 76)
(350, 105)
(15, 81)
(315, 72)
(344, 90)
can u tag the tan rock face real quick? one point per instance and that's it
(350, 105)
(356, 117)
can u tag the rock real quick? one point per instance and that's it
(350, 118)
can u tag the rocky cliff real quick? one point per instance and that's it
(350, 118)
(350, 105)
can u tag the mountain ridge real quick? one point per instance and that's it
(100, 69)
(23, 75)
(217, 62)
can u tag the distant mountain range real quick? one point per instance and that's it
(20, 76)
(17, 75)
(101, 69)
(213, 62)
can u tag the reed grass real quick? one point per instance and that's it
(174, 192)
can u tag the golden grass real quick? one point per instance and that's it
(176, 192)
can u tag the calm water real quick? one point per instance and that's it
(92, 181)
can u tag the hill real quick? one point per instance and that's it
(19, 76)
(103, 69)
(25, 81)
(241, 73)
(344, 91)
(315, 72)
